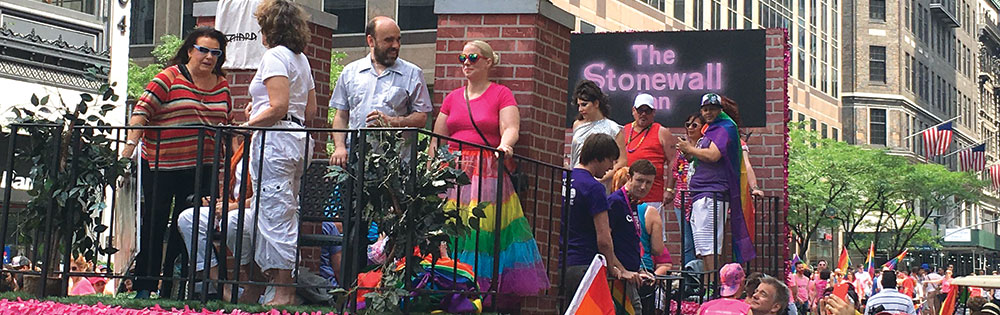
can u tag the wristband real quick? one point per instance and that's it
(130, 142)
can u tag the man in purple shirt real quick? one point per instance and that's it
(587, 230)
(710, 183)
(624, 220)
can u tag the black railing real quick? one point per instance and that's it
(539, 188)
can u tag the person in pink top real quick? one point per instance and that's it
(798, 284)
(731, 276)
(485, 113)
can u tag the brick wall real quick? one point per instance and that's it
(534, 58)
(318, 52)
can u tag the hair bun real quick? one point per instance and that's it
(496, 58)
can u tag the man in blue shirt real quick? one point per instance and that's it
(587, 230)
(623, 217)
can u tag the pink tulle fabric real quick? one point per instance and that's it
(35, 307)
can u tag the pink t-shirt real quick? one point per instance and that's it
(801, 284)
(485, 109)
(724, 306)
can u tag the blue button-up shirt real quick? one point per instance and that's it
(399, 91)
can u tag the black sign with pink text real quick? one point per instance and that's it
(676, 68)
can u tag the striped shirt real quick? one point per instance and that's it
(892, 301)
(173, 100)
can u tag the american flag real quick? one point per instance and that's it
(994, 172)
(972, 159)
(937, 139)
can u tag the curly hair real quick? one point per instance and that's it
(283, 23)
(589, 91)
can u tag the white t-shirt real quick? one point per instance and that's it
(280, 61)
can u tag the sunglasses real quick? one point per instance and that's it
(206, 50)
(691, 124)
(472, 58)
(644, 110)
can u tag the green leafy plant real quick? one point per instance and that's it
(404, 197)
(71, 167)
(336, 67)
(139, 76)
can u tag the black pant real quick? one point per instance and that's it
(166, 193)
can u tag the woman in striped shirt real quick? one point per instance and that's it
(192, 92)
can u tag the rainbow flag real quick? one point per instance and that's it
(844, 262)
(948, 306)
(724, 130)
(593, 296)
(623, 304)
(795, 261)
(870, 261)
(891, 264)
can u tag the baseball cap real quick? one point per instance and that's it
(925, 267)
(732, 277)
(19, 261)
(644, 99)
(711, 99)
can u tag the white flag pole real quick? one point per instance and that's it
(934, 126)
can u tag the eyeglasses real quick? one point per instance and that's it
(472, 58)
(206, 50)
(644, 110)
(691, 124)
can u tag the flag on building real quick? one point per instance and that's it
(937, 139)
(593, 296)
(870, 261)
(972, 159)
(844, 263)
(994, 172)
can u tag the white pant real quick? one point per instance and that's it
(704, 223)
(186, 223)
(278, 224)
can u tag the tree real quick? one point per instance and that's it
(820, 181)
(139, 76)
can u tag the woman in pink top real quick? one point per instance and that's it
(485, 113)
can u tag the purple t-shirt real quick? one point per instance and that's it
(724, 307)
(621, 219)
(587, 199)
(712, 176)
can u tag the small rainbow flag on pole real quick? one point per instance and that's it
(593, 296)
(891, 264)
(795, 261)
(870, 261)
(844, 263)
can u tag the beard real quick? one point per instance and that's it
(382, 55)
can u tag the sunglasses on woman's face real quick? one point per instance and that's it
(690, 124)
(206, 50)
(472, 58)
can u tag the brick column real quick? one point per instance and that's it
(318, 53)
(532, 38)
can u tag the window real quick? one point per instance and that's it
(747, 13)
(802, 117)
(658, 4)
(587, 27)
(812, 70)
(812, 124)
(416, 15)
(679, 10)
(836, 134)
(187, 18)
(141, 31)
(906, 73)
(802, 65)
(699, 14)
(876, 129)
(876, 64)
(835, 83)
(350, 15)
(822, 78)
(716, 14)
(802, 9)
(733, 19)
(823, 130)
(85, 6)
(876, 10)
(906, 15)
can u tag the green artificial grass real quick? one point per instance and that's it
(167, 304)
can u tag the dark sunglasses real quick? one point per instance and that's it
(206, 50)
(472, 58)
(690, 124)
(644, 110)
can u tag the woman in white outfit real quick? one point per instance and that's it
(283, 97)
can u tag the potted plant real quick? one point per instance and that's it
(404, 197)
(70, 169)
